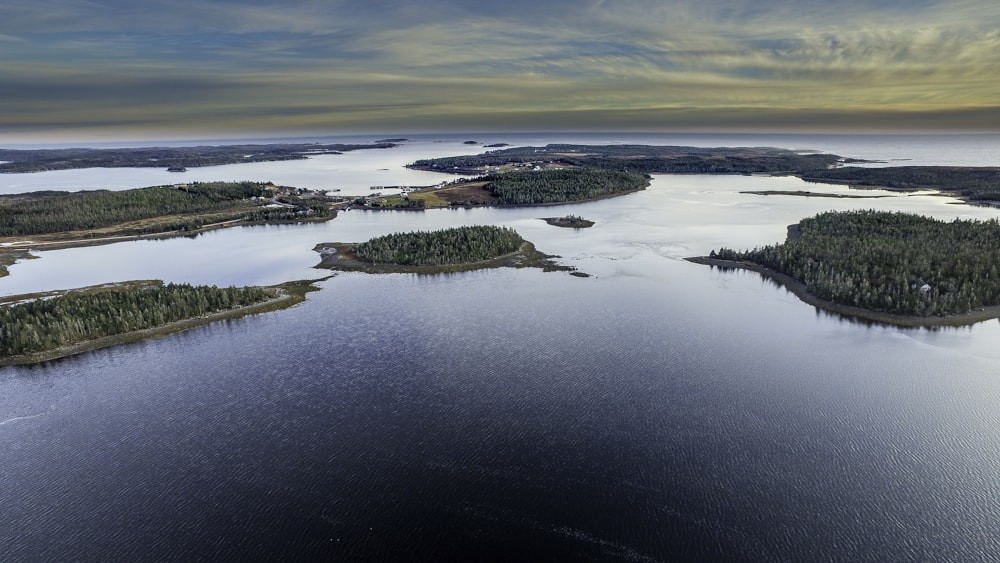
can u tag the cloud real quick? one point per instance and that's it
(336, 62)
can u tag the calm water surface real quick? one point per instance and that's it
(658, 410)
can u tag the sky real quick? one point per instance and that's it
(211, 68)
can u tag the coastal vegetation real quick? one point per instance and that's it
(518, 187)
(976, 184)
(10, 257)
(182, 207)
(562, 186)
(429, 252)
(176, 158)
(41, 326)
(447, 246)
(644, 159)
(888, 262)
(569, 221)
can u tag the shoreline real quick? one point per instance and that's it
(365, 207)
(288, 294)
(57, 244)
(339, 257)
(799, 289)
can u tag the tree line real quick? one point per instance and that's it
(434, 248)
(558, 186)
(974, 183)
(890, 261)
(56, 212)
(39, 160)
(646, 159)
(47, 323)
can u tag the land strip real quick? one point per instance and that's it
(173, 158)
(284, 296)
(54, 220)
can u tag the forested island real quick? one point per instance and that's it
(891, 267)
(427, 252)
(59, 219)
(176, 158)
(45, 326)
(569, 222)
(520, 188)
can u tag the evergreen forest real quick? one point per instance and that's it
(527, 187)
(46, 323)
(55, 212)
(890, 262)
(434, 248)
(40, 160)
(974, 183)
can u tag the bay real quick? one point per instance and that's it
(658, 410)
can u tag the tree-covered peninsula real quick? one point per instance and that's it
(643, 159)
(447, 250)
(44, 326)
(175, 159)
(976, 184)
(60, 219)
(889, 265)
(521, 188)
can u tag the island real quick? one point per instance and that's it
(45, 326)
(513, 188)
(50, 220)
(569, 222)
(889, 267)
(171, 158)
(456, 249)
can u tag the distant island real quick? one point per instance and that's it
(44, 326)
(174, 159)
(430, 252)
(569, 221)
(644, 159)
(805, 193)
(891, 267)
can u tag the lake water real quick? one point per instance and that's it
(658, 410)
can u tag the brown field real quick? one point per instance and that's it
(468, 193)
